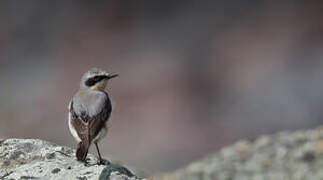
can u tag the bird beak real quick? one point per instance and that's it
(110, 76)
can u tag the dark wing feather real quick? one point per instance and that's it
(79, 124)
(81, 128)
(97, 122)
(87, 123)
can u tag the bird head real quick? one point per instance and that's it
(96, 79)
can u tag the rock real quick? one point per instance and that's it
(38, 159)
(286, 155)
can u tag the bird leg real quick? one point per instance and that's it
(101, 161)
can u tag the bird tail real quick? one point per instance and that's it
(82, 149)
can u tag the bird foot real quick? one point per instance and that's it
(103, 162)
(86, 162)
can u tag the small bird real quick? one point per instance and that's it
(89, 112)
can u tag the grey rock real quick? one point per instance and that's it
(38, 159)
(283, 156)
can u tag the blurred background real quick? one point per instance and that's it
(194, 75)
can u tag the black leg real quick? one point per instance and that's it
(97, 148)
(101, 161)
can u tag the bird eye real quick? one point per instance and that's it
(90, 82)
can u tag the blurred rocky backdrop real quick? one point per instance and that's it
(194, 75)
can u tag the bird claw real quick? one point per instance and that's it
(103, 162)
(86, 162)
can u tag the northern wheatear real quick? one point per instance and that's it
(89, 112)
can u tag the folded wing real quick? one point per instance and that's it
(89, 113)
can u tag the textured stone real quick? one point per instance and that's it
(38, 159)
(283, 156)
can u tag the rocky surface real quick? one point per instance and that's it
(22, 159)
(283, 156)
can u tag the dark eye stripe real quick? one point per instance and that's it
(92, 81)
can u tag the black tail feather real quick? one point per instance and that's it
(82, 150)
